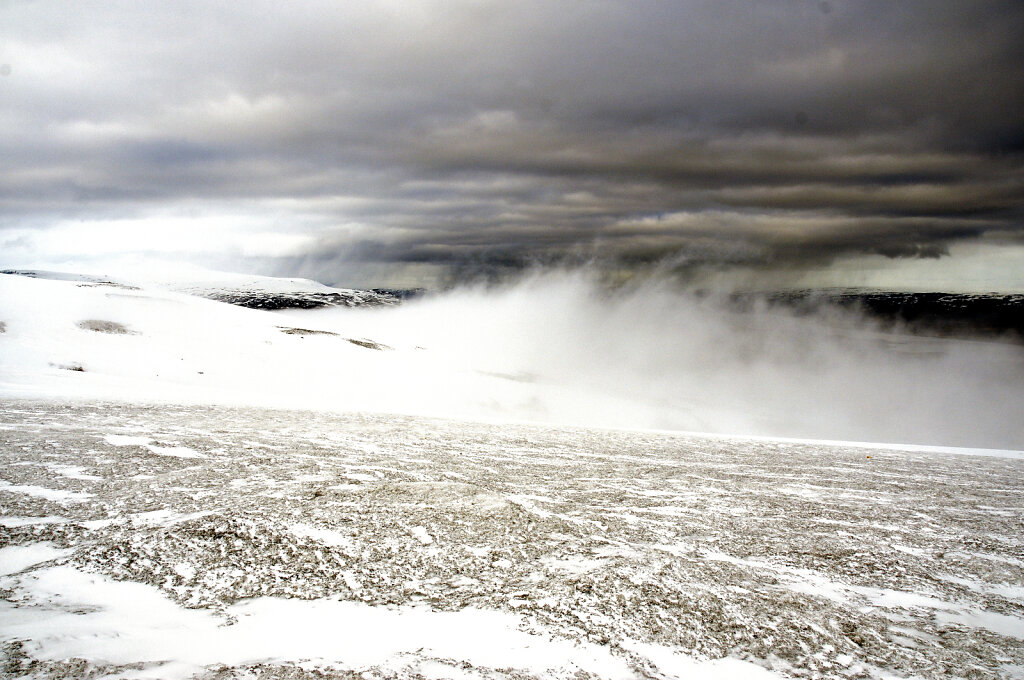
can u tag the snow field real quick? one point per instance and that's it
(557, 349)
(551, 551)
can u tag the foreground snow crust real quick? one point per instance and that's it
(295, 544)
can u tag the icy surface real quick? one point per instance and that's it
(310, 545)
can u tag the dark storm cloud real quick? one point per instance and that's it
(478, 131)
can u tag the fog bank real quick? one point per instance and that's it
(652, 356)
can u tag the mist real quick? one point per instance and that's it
(563, 347)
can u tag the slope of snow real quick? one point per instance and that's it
(180, 277)
(552, 351)
(183, 349)
(171, 347)
(15, 558)
(245, 290)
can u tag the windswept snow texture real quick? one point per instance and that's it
(304, 545)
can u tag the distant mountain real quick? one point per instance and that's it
(82, 279)
(255, 298)
(254, 292)
(947, 314)
(401, 293)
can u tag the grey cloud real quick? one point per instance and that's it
(496, 132)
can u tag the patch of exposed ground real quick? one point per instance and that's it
(303, 331)
(102, 326)
(817, 561)
(108, 284)
(369, 344)
(70, 367)
(255, 298)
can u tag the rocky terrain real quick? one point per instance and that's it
(629, 554)
(254, 298)
(947, 314)
(255, 292)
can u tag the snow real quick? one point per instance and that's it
(1011, 592)
(57, 495)
(30, 521)
(74, 472)
(574, 565)
(15, 558)
(553, 351)
(174, 570)
(165, 517)
(175, 451)
(810, 583)
(421, 535)
(130, 440)
(326, 536)
(74, 614)
(672, 665)
(179, 276)
(126, 440)
(162, 512)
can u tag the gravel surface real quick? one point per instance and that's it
(812, 560)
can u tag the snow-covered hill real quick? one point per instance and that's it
(103, 339)
(556, 350)
(255, 292)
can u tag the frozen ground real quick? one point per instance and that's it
(216, 542)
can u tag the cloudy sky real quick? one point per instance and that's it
(399, 142)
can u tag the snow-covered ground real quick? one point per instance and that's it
(163, 514)
(556, 349)
(181, 541)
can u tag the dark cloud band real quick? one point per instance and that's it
(476, 132)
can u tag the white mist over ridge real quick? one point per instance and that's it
(556, 347)
(654, 356)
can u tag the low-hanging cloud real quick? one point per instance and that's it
(476, 132)
(568, 350)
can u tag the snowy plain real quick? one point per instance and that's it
(191, 489)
